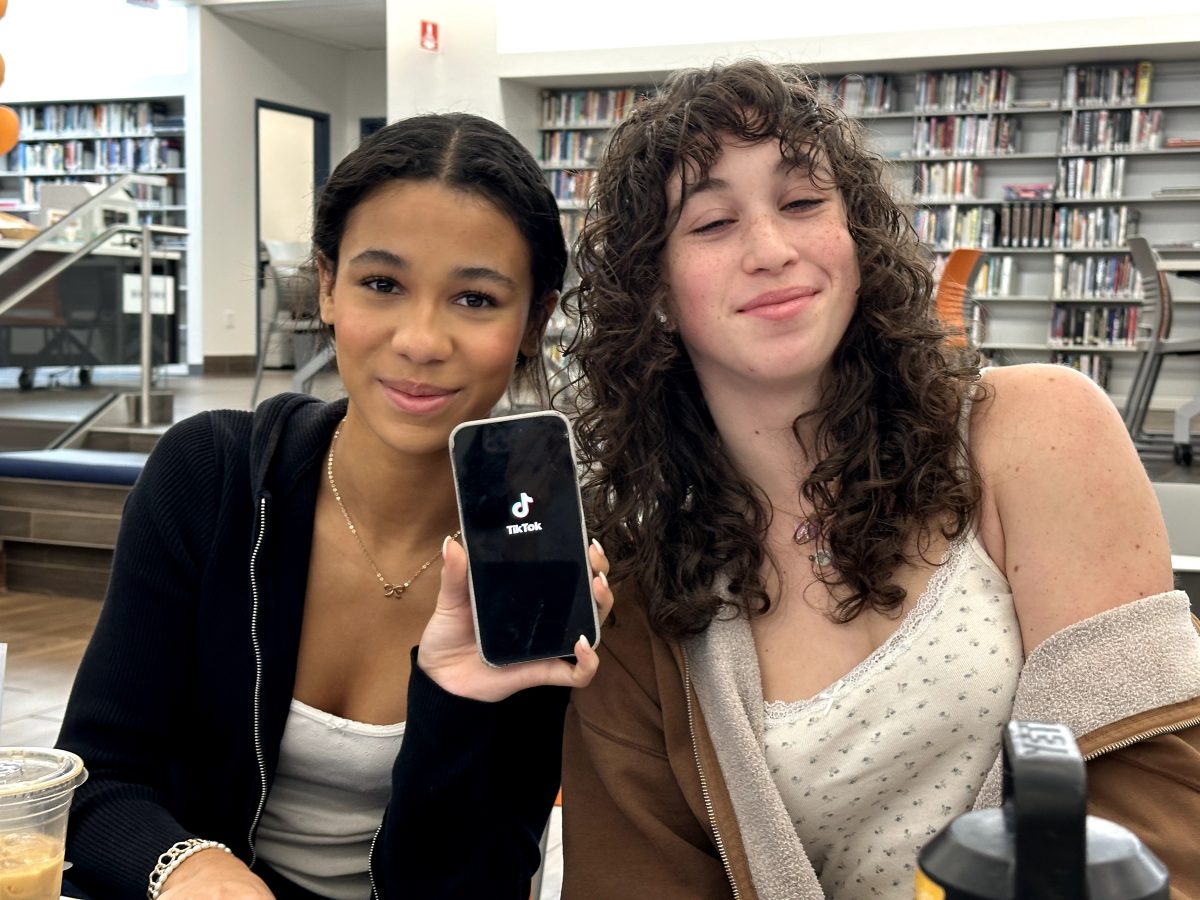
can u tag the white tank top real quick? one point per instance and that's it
(877, 763)
(330, 790)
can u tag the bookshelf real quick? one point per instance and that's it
(1048, 168)
(64, 143)
(572, 132)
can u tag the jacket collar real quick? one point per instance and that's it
(279, 465)
(1131, 660)
(723, 667)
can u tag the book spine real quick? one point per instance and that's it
(1145, 74)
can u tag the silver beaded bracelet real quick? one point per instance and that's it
(169, 861)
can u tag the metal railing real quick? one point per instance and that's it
(146, 237)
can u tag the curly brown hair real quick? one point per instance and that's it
(672, 511)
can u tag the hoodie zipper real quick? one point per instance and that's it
(708, 806)
(371, 861)
(258, 751)
(1142, 736)
(258, 667)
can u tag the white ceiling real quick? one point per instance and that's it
(348, 24)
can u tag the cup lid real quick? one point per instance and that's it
(26, 771)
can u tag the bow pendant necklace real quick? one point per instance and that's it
(389, 589)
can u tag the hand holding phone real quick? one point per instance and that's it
(449, 653)
(522, 527)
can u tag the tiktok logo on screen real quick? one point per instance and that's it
(520, 510)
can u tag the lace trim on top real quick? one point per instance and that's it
(782, 712)
(345, 726)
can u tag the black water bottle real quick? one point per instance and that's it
(1041, 844)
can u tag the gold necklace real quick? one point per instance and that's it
(389, 589)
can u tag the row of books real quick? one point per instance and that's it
(1107, 85)
(1106, 130)
(960, 180)
(996, 277)
(1037, 190)
(1022, 225)
(1110, 277)
(966, 135)
(1078, 228)
(860, 95)
(1015, 226)
(974, 89)
(97, 154)
(1090, 178)
(1095, 366)
(1073, 325)
(573, 148)
(571, 185)
(565, 109)
(166, 195)
(955, 180)
(60, 119)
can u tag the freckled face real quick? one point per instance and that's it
(430, 301)
(762, 271)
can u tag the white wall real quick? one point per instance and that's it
(538, 26)
(65, 50)
(464, 76)
(238, 63)
(366, 96)
(285, 176)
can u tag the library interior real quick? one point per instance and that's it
(195, 195)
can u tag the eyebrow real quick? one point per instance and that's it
(379, 256)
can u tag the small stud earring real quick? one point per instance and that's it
(663, 320)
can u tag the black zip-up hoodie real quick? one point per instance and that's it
(181, 699)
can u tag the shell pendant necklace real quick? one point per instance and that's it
(389, 589)
(805, 532)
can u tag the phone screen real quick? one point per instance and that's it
(523, 531)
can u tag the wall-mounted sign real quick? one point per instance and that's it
(162, 294)
(429, 36)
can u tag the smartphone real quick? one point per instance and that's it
(522, 526)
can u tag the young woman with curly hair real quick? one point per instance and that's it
(847, 556)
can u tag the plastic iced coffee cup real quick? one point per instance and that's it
(36, 786)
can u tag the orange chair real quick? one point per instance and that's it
(952, 302)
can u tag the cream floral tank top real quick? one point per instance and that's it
(874, 765)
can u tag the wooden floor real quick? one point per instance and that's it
(46, 636)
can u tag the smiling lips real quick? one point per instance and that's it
(418, 398)
(780, 304)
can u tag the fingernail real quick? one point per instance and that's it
(599, 549)
(602, 577)
(445, 544)
(583, 640)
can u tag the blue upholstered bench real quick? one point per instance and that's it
(86, 466)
